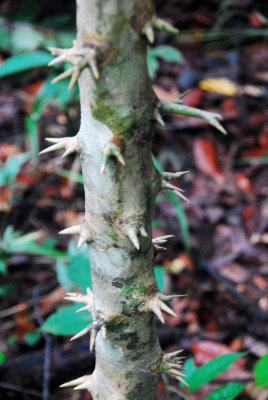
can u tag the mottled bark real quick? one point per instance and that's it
(118, 109)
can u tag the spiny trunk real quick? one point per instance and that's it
(118, 110)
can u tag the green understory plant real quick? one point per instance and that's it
(118, 113)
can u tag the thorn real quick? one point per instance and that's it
(149, 32)
(74, 78)
(81, 241)
(85, 308)
(155, 308)
(214, 122)
(104, 331)
(111, 150)
(57, 60)
(170, 356)
(132, 235)
(54, 147)
(170, 297)
(166, 26)
(73, 230)
(143, 232)
(175, 190)
(75, 381)
(159, 248)
(158, 117)
(167, 309)
(92, 339)
(93, 65)
(162, 239)
(173, 175)
(62, 76)
(82, 332)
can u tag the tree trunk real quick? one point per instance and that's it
(118, 110)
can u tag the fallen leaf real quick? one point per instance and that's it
(206, 159)
(219, 85)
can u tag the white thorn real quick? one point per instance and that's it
(132, 235)
(158, 117)
(167, 309)
(75, 381)
(73, 230)
(149, 32)
(85, 308)
(170, 356)
(162, 239)
(143, 232)
(81, 241)
(93, 65)
(155, 308)
(174, 175)
(82, 333)
(54, 147)
(93, 336)
(170, 297)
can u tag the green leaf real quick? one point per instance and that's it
(23, 62)
(211, 369)
(65, 321)
(189, 369)
(2, 357)
(3, 267)
(79, 266)
(159, 276)
(226, 392)
(73, 176)
(152, 64)
(31, 338)
(12, 167)
(63, 275)
(261, 371)
(167, 53)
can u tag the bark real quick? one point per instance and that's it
(118, 110)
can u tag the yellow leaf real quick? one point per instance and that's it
(222, 86)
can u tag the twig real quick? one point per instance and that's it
(17, 388)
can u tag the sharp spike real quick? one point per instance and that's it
(82, 333)
(158, 117)
(132, 235)
(170, 356)
(170, 297)
(93, 336)
(85, 308)
(159, 248)
(176, 372)
(155, 308)
(54, 147)
(57, 60)
(104, 330)
(149, 32)
(54, 140)
(162, 239)
(167, 309)
(93, 65)
(143, 232)
(81, 241)
(74, 78)
(63, 75)
(75, 381)
(82, 386)
(175, 366)
(179, 194)
(166, 26)
(173, 175)
(73, 230)
(214, 122)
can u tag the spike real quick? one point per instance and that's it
(175, 366)
(170, 297)
(173, 175)
(85, 308)
(214, 122)
(159, 248)
(132, 235)
(167, 309)
(111, 150)
(104, 330)
(149, 32)
(165, 26)
(155, 308)
(75, 381)
(162, 239)
(93, 336)
(62, 76)
(82, 332)
(158, 117)
(57, 146)
(169, 356)
(74, 77)
(93, 65)
(143, 232)
(81, 241)
(73, 230)
(175, 190)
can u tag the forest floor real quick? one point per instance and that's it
(218, 255)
